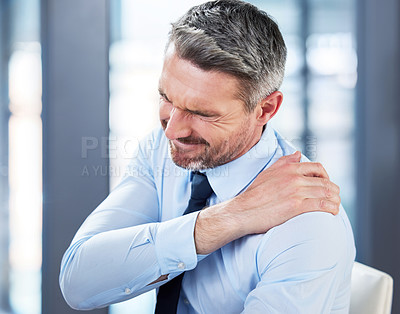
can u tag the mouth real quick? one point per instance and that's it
(191, 140)
(185, 145)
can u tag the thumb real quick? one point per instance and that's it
(295, 157)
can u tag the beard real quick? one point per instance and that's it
(210, 156)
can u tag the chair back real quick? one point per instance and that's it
(371, 291)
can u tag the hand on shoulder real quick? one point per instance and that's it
(286, 189)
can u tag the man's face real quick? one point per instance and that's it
(204, 120)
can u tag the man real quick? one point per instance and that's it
(243, 252)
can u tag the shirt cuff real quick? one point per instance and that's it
(174, 243)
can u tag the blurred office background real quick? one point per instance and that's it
(78, 89)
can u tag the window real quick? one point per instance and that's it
(21, 193)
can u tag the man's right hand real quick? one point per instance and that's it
(286, 189)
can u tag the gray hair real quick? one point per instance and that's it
(236, 38)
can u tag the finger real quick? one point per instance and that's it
(318, 204)
(312, 169)
(295, 157)
(331, 193)
(329, 186)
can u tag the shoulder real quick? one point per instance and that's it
(150, 149)
(309, 242)
(145, 156)
(153, 141)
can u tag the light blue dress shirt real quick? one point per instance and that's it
(138, 233)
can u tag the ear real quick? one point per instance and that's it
(268, 107)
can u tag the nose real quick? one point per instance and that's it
(178, 125)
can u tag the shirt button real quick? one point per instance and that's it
(186, 301)
(181, 265)
(127, 290)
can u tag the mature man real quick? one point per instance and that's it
(216, 194)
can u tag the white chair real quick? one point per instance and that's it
(371, 291)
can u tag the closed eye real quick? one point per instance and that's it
(202, 114)
(163, 95)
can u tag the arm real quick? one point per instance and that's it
(122, 248)
(286, 189)
(304, 266)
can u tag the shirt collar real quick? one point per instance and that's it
(230, 179)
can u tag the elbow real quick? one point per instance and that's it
(71, 284)
(73, 303)
(69, 296)
(72, 294)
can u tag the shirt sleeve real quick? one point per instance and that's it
(121, 247)
(304, 266)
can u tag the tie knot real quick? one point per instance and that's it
(201, 188)
(201, 191)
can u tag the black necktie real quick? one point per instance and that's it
(168, 294)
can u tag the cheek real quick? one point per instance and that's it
(227, 131)
(213, 133)
(220, 129)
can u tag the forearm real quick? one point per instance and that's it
(225, 222)
(218, 225)
(107, 264)
(115, 265)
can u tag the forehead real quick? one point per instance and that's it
(185, 83)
